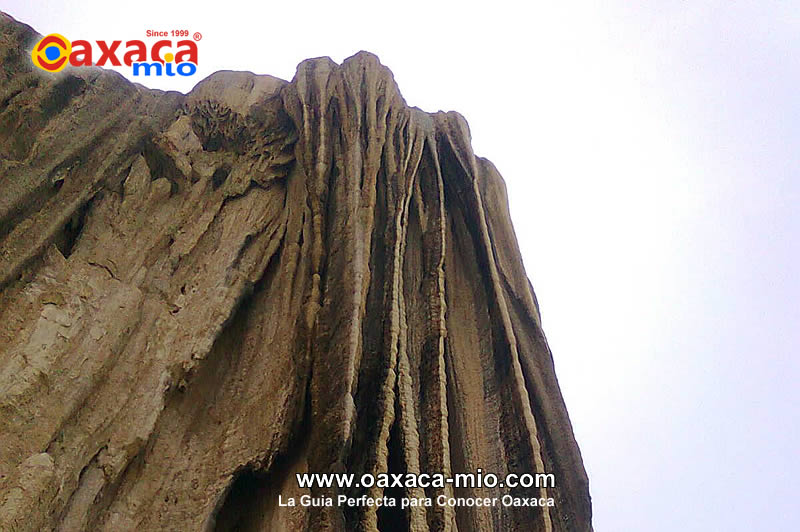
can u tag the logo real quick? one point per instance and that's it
(51, 53)
(162, 58)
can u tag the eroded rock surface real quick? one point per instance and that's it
(202, 295)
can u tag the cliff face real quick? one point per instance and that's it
(202, 295)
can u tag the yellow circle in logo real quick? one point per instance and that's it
(168, 57)
(51, 53)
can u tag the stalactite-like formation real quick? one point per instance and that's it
(202, 295)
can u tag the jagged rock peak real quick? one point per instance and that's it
(203, 295)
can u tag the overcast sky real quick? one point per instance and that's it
(651, 158)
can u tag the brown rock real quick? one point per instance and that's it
(202, 295)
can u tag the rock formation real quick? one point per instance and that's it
(202, 295)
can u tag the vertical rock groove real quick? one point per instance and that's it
(203, 295)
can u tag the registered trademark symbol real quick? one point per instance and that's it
(197, 36)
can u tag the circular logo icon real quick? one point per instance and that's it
(51, 53)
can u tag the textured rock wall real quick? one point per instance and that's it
(202, 295)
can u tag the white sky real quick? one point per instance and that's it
(651, 157)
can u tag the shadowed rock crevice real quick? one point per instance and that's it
(66, 239)
(204, 295)
(248, 492)
(394, 518)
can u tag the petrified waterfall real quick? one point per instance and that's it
(202, 295)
